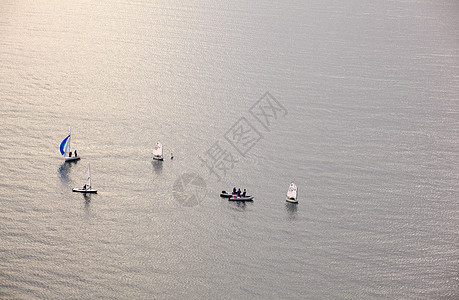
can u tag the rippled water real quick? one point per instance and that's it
(369, 133)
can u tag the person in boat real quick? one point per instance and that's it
(244, 193)
(76, 153)
(239, 192)
(234, 190)
(70, 154)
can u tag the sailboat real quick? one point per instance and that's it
(65, 149)
(87, 187)
(158, 151)
(292, 193)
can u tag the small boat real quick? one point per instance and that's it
(224, 194)
(158, 151)
(292, 193)
(65, 149)
(235, 197)
(87, 187)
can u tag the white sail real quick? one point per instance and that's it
(158, 151)
(88, 179)
(292, 191)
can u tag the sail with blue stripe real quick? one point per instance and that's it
(64, 145)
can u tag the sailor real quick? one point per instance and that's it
(239, 192)
(76, 153)
(70, 154)
(243, 193)
(234, 190)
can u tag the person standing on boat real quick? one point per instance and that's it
(234, 190)
(76, 153)
(243, 193)
(239, 192)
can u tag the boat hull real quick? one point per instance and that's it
(226, 195)
(158, 158)
(291, 200)
(232, 197)
(89, 191)
(75, 158)
(244, 199)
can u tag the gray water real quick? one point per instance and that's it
(367, 129)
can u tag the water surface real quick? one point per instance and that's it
(370, 137)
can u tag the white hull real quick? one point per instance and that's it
(89, 191)
(247, 198)
(291, 200)
(158, 158)
(73, 158)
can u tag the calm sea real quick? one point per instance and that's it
(357, 102)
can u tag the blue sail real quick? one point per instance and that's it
(63, 144)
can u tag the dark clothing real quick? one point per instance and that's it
(239, 192)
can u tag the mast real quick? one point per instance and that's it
(88, 178)
(68, 145)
